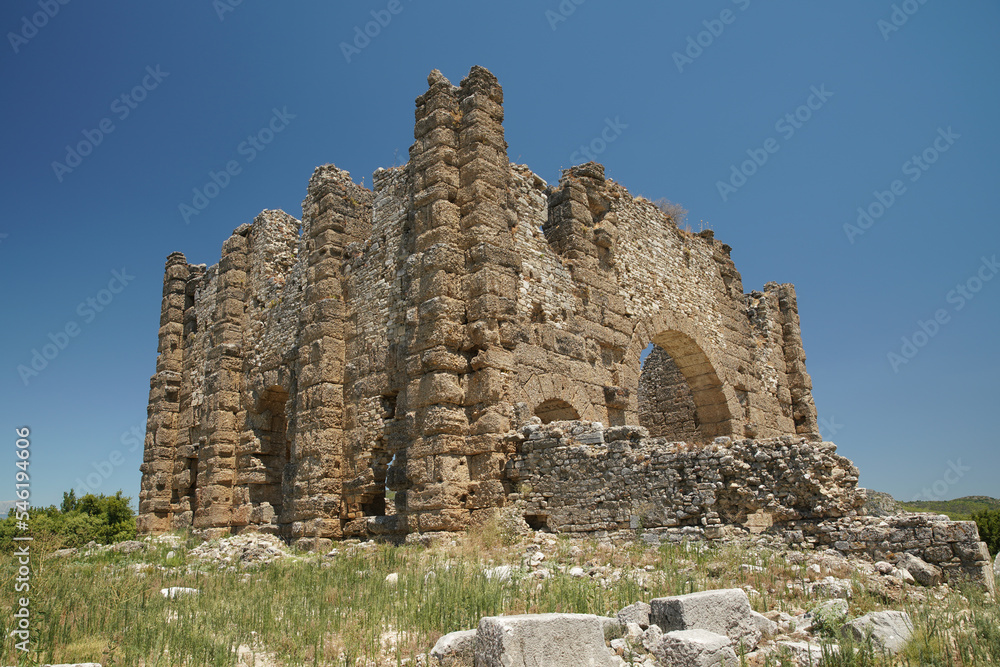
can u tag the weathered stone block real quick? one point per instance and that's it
(724, 611)
(436, 388)
(695, 648)
(890, 630)
(925, 573)
(445, 419)
(554, 640)
(637, 612)
(455, 649)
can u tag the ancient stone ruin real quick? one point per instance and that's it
(402, 360)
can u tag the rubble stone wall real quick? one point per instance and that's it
(666, 405)
(583, 478)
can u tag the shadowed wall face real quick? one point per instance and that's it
(666, 405)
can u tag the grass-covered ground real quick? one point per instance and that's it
(314, 609)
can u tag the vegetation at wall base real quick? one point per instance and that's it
(104, 605)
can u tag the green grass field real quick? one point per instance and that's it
(319, 610)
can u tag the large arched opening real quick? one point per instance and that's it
(680, 395)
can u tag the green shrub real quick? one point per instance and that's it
(103, 519)
(989, 528)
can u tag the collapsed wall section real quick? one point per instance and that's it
(582, 478)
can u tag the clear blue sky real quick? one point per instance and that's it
(210, 78)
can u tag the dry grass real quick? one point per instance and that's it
(315, 610)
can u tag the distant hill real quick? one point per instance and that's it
(960, 509)
(5, 507)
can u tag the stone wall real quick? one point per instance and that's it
(954, 546)
(395, 336)
(583, 478)
(666, 405)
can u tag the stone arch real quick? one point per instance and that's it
(555, 409)
(714, 401)
(547, 387)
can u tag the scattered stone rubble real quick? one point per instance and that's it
(701, 628)
(129, 546)
(715, 627)
(246, 549)
(711, 627)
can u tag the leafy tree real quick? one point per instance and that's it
(77, 521)
(988, 522)
(69, 501)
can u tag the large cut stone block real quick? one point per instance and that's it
(439, 307)
(637, 612)
(435, 497)
(890, 630)
(695, 648)
(455, 649)
(438, 388)
(444, 257)
(724, 611)
(553, 640)
(448, 419)
(445, 519)
(486, 386)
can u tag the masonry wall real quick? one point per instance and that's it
(666, 404)
(582, 478)
(609, 274)
(396, 336)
